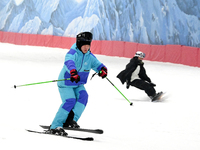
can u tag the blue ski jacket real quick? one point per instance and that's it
(83, 63)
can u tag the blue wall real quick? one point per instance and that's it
(144, 21)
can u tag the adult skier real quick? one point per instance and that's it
(135, 75)
(78, 63)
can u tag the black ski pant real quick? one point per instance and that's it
(143, 85)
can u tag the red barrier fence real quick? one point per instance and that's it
(164, 53)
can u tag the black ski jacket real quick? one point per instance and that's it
(130, 68)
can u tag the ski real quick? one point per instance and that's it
(97, 131)
(72, 137)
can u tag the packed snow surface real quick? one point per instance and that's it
(173, 124)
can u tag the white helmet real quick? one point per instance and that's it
(140, 54)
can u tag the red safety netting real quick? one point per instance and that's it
(190, 56)
(106, 48)
(118, 48)
(130, 49)
(165, 53)
(173, 53)
(157, 53)
(96, 47)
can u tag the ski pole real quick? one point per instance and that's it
(115, 88)
(15, 86)
(120, 92)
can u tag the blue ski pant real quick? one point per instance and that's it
(73, 98)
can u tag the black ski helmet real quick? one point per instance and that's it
(83, 38)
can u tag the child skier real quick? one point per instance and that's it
(78, 63)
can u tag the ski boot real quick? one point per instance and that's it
(73, 124)
(58, 130)
(70, 122)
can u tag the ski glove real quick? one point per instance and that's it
(74, 76)
(103, 72)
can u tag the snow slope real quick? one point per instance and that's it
(169, 125)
